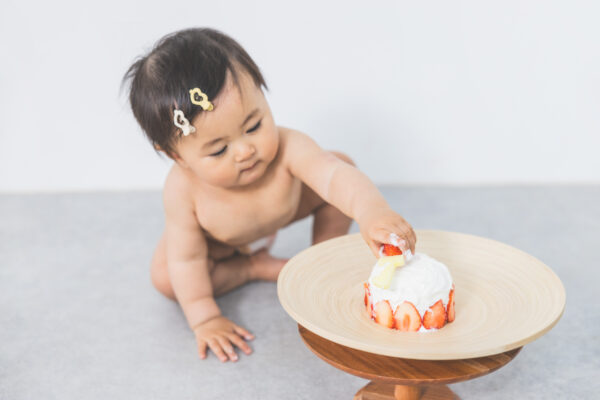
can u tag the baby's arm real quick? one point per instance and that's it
(348, 189)
(187, 263)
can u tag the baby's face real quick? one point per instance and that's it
(236, 141)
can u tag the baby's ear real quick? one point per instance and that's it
(159, 149)
(175, 157)
(172, 155)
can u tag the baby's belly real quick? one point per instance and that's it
(239, 226)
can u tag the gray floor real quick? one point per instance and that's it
(79, 318)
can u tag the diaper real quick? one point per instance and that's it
(257, 245)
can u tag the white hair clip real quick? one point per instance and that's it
(182, 123)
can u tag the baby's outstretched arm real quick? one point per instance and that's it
(349, 190)
(188, 268)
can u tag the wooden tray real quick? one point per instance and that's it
(504, 297)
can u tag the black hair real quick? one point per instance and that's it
(180, 61)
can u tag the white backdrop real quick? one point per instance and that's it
(464, 92)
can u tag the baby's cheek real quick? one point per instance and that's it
(272, 144)
(217, 174)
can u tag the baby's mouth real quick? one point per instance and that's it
(250, 167)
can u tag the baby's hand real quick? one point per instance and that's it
(220, 334)
(379, 227)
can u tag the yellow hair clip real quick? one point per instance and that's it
(203, 101)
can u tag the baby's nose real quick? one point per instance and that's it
(244, 152)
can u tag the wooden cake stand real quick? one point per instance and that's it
(504, 298)
(400, 378)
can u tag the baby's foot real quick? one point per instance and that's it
(264, 266)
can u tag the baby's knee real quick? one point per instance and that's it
(159, 274)
(160, 279)
(343, 157)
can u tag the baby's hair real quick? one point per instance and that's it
(183, 60)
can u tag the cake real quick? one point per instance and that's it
(409, 292)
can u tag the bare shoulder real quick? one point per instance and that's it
(177, 195)
(184, 236)
(300, 151)
(296, 145)
(291, 137)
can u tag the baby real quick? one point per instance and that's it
(236, 179)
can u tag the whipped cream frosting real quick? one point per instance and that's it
(422, 281)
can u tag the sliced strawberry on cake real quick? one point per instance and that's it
(435, 316)
(383, 314)
(451, 305)
(368, 304)
(407, 318)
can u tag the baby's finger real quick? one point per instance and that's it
(387, 236)
(226, 345)
(216, 348)
(239, 342)
(202, 349)
(242, 332)
(400, 240)
(412, 239)
(374, 246)
(376, 239)
(407, 232)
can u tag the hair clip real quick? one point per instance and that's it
(203, 102)
(182, 123)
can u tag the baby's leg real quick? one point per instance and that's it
(228, 269)
(237, 269)
(329, 222)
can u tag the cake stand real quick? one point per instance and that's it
(399, 378)
(504, 299)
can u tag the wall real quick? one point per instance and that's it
(463, 92)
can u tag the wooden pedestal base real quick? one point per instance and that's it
(401, 378)
(386, 391)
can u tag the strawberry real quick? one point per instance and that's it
(435, 317)
(368, 304)
(383, 314)
(451, 305)
(407, 318)
(391, 250)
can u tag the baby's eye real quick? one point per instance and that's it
(255, 127)
(218, 153)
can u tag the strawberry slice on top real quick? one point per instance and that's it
(391, 250)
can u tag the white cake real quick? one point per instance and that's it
(417, 295)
